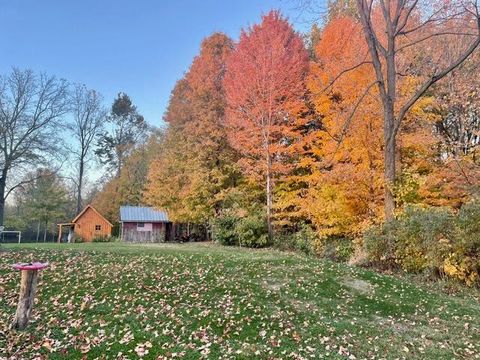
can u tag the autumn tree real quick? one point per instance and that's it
(344, 177)
(196, 165)
(88, 118)
(129, 187)
(264, 85)
(458, 101)
(128, 129)
(406, 38)
(344, 172)
(454, 168)
(31, 110)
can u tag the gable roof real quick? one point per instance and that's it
(142, 214)
(85, 210)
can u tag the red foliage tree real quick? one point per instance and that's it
(264, 86)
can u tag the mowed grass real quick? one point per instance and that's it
(196, 301)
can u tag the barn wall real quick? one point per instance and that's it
(156, 235)
(85, 226)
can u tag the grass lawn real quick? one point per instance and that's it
(204, 301)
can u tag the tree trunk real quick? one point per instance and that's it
(38, 231)
(3, 185)
(389, 176)
(28, 288)
(80, 184)
(45, 232)
(269, 197)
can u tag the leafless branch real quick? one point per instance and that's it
(404, 109)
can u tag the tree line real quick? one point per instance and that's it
(51, 131)
(339, 129)
(326, 133)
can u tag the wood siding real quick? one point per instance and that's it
(86, 226)
(132, 234)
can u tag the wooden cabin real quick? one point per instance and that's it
(87, 225)
(141, 224)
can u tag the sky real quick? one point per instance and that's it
(141, 47)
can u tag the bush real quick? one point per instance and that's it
(305, 240)
(252, 231)
(309, 242)
(430, 240)
(102, 239)
(338, 249)
(224, 229)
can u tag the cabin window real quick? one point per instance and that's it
(98, 227)
(143, 226)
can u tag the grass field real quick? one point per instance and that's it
(205, 301)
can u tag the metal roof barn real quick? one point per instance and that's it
(142, 214)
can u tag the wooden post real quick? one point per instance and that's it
(28, 289)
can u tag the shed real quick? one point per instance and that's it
(88, 225)
(141, 224)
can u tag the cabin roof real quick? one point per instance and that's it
(83, 212)
(142, 214)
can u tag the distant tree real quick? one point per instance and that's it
(43, 198)
(129, 187)
(264, 86)
(128, 129)
(312, 38)
(340, 8)
(459, 102)
(31, 110)
(88, 119)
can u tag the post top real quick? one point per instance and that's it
(30, 266)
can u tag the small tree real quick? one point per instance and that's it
(44, 198)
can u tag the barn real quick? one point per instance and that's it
(87, 225)
(141, 224)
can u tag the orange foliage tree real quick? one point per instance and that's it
(196, 165)
(264, 86)
(345, 184)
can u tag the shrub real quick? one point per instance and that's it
(305, 239)
(231, 229)
(224, 228)
(338, 249)
(309, 242)
(252, 231)
(379, 244)
(102, 239)
(430, 239)
(462, 257)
